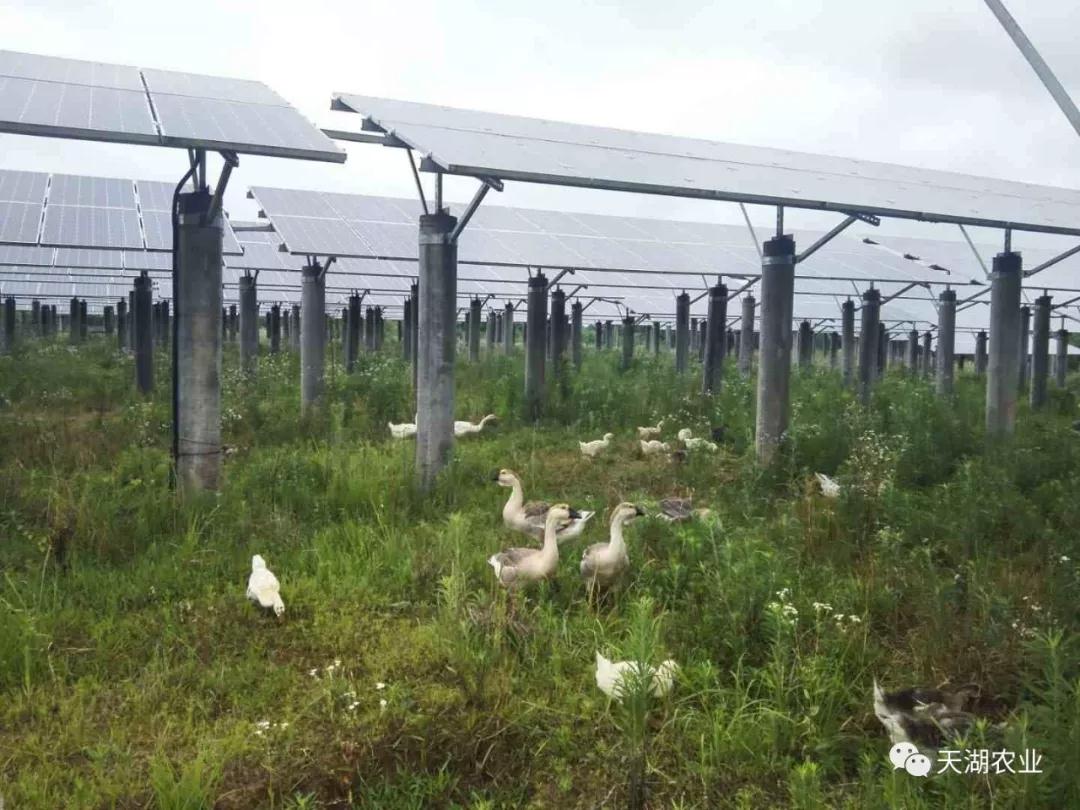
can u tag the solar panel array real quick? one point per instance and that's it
(69, 98)
(474, 143)
(103, 214)
(360, 226)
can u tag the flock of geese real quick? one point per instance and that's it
(602, 564)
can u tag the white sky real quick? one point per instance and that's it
(930, 83)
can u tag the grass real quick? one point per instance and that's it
(134, 674)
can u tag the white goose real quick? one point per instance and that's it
(652, 447)
(829, 487)
(686, 436)
(603, 563)
(263, 587)
(610, 676)
(406, 430)
(462, 428)
(531, 518)
(515, 567)
(594, 448)
(651, 432)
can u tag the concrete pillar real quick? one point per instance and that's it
(74, 332)
(746, 335)
(83, 324)
(912, 347)
(774, 356)
(131, 318)
(508, 329)
(558, 334)
(1004, 356)
(628, 329)
(233, 322)
(1040, 351)
(107, 317)
(598, 330)
(369, 329)
(197, 355)
(701, 341)
(575, 334)
(312, 335)
(806, 346)
(249, 323)
(406, 331)
(693, 335)
(144, 336)
(275, 329)
(166, 325)
(656, 337)
(882, 347)
(491, 330)
(1061, 360)
(9, 323)
(414, 295)
(535, 326)
(715, 340)
(1023, 346)
(847, 342)
(474, 330)
(286, 327)
(35, 317)
(352, 343)
(682, 333)
(980, 353)
(946, 344)
(927, 353)
(436, 345)
(609, 335)
(869, 334)
(121, 324)
(294, 324)
(380, 329)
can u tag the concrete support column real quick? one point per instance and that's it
(694, 334)
(121, 324)
(882, 347)
(491, 330)
(628, 329)
(746, 335)
(927, 353)
(352, 343)
(233, 322)
(598, 329)
(131, 318)
(474, 330)
(83, 324)
(144, 336)
(806, 346)
(609, 335)
(701, 341)
(774, 357)
(275, 329)
(715, 340)
(436, 347)
(1040, 351)
(294, 324)
(166, 325)
(575, 334)
(35, 317)
(558, 334)
(656, 337)
(847, 342)
(869, 334)
(369, 329)
(508, 329)
(9, 323)
(535, 329)
(406, 331)
(1023, 346)
(1004, 356)
(249, 323)
(74, 332)
(312, 335)
(197, 355)
(682, 333)
(946, 344)
(108, 318)
(1061, 360)
(912, 360)
(980, 353)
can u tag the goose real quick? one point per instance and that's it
(652, 447)
(651, 432)
(603, 563)
(530, 518)
(610, 676)
(829, 487)
(686, 436)
(263, 587)
(515, 567)
(924, 716)
(678, 510)
(462, 428)
(592, 449)
(406, 430)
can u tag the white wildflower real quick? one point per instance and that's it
(379, 686)
(822, 607)
(382, 704)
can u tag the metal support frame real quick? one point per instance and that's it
(1051, 262)
(974, 250)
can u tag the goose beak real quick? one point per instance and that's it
(575, 514)
(495, 476)
(639, 511)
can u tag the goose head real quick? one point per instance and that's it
(608, 437)
(625, 512)
(505, 478)
(489, 418)
(685, 434)
(257, 562)
(561, 512)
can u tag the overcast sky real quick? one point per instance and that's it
(927, 83)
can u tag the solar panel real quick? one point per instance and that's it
(474, 143)
(19, 222)
(68, 98)
(25, 187)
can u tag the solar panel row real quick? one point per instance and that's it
(69, 98)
